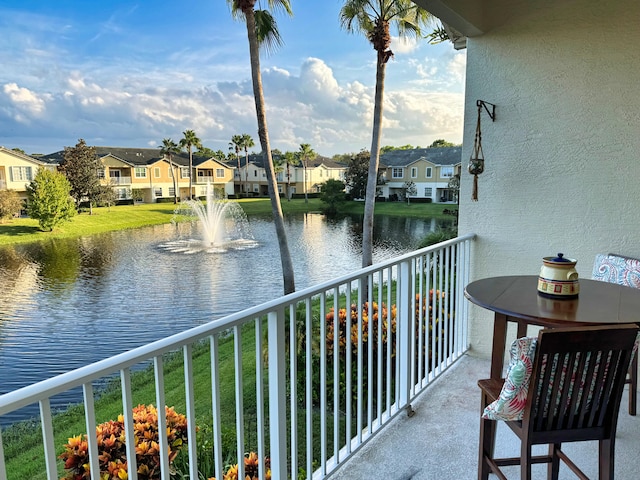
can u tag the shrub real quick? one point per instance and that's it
(112, 449)
(10, 204)
(251, 469)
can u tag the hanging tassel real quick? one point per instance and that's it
(474, 192)
(476, 162)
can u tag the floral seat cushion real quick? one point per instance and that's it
(509, 405)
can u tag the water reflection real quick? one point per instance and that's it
(67, 303)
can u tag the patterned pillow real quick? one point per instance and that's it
(509, 405)
(617, 269)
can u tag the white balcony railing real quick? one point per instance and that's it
(120, 180)
(286, 356)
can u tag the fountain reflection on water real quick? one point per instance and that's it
(224, 226)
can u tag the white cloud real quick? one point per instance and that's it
(25, 99)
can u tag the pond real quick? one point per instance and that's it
(67, 303)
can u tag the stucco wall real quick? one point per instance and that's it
(562, 170)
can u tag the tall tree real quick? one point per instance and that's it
(262, 32)
(188, 142)
(306, 153)
(235, 146)
(167, 149)
(355, 177)
(81, 164)
(246, 142)
(374, 18)
(290, 159)
(50, 199)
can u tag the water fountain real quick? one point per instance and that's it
(223, 225)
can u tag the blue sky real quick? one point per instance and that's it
(128, 74)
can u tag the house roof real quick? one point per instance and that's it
(135, 156)
(437, 156)
(258, 161)
(38, 160)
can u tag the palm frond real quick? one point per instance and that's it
(267, 31)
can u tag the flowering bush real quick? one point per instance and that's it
(251, 469)
(342, 325)
(112, 450)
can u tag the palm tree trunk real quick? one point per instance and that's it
(175, 186)
(190, 174)
(278, 219)
(372, 177)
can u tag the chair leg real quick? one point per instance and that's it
(633, 386)
(525, 460)
(553, 469)
(486, 447)
(606, 450)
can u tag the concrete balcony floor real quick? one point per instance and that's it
(440, 442)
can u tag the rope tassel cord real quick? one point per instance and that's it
(476, 162)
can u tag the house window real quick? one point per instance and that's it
(220, 172)
(100, 172)
(414, 172)
(170, 172)
(157, 191)
(320, 172)
(21, 174)
(279, 188)
(122, 193)
(446, 172)
(428, 173)
(156, 172)
(397, 173)
(428, 192)
(255, 173)
(184, 172)
(172, 191)
(280, 177)
(293, 190)
(140, 172)
(256, 187)
(264, 174)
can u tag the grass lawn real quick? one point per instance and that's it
(26, 230)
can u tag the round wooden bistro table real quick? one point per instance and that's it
(516, 299)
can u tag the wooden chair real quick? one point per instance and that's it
(614, 268)
(574, 394)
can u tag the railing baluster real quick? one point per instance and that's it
(158, 371)
(237, 355)
(379, 350)
(277, 401)
(309, 384)
(323, 386)
(405, 329)
(348, 356)
(127, 413)
(215, 405)
(336, 375)
(293, 381)
(370, 372)
(260, 426)
(90, 424)
(48, 440)
(359, 364)
(190, 410)
(390, 339)
(3, 466)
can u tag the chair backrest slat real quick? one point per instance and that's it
(578, 377)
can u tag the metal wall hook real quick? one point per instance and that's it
(492, 112)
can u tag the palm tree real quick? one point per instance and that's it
(246, 142)
(189, 141)
(235, 145)
(167, 149)
(263, 32)
(306, 153)
(290, 159)
(374, 18)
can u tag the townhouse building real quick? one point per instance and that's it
(145, 175)
(18, 169)
(429, 169)
(295, 179)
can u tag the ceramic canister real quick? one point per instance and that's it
(558, 277)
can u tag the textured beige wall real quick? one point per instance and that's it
(562, 170)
